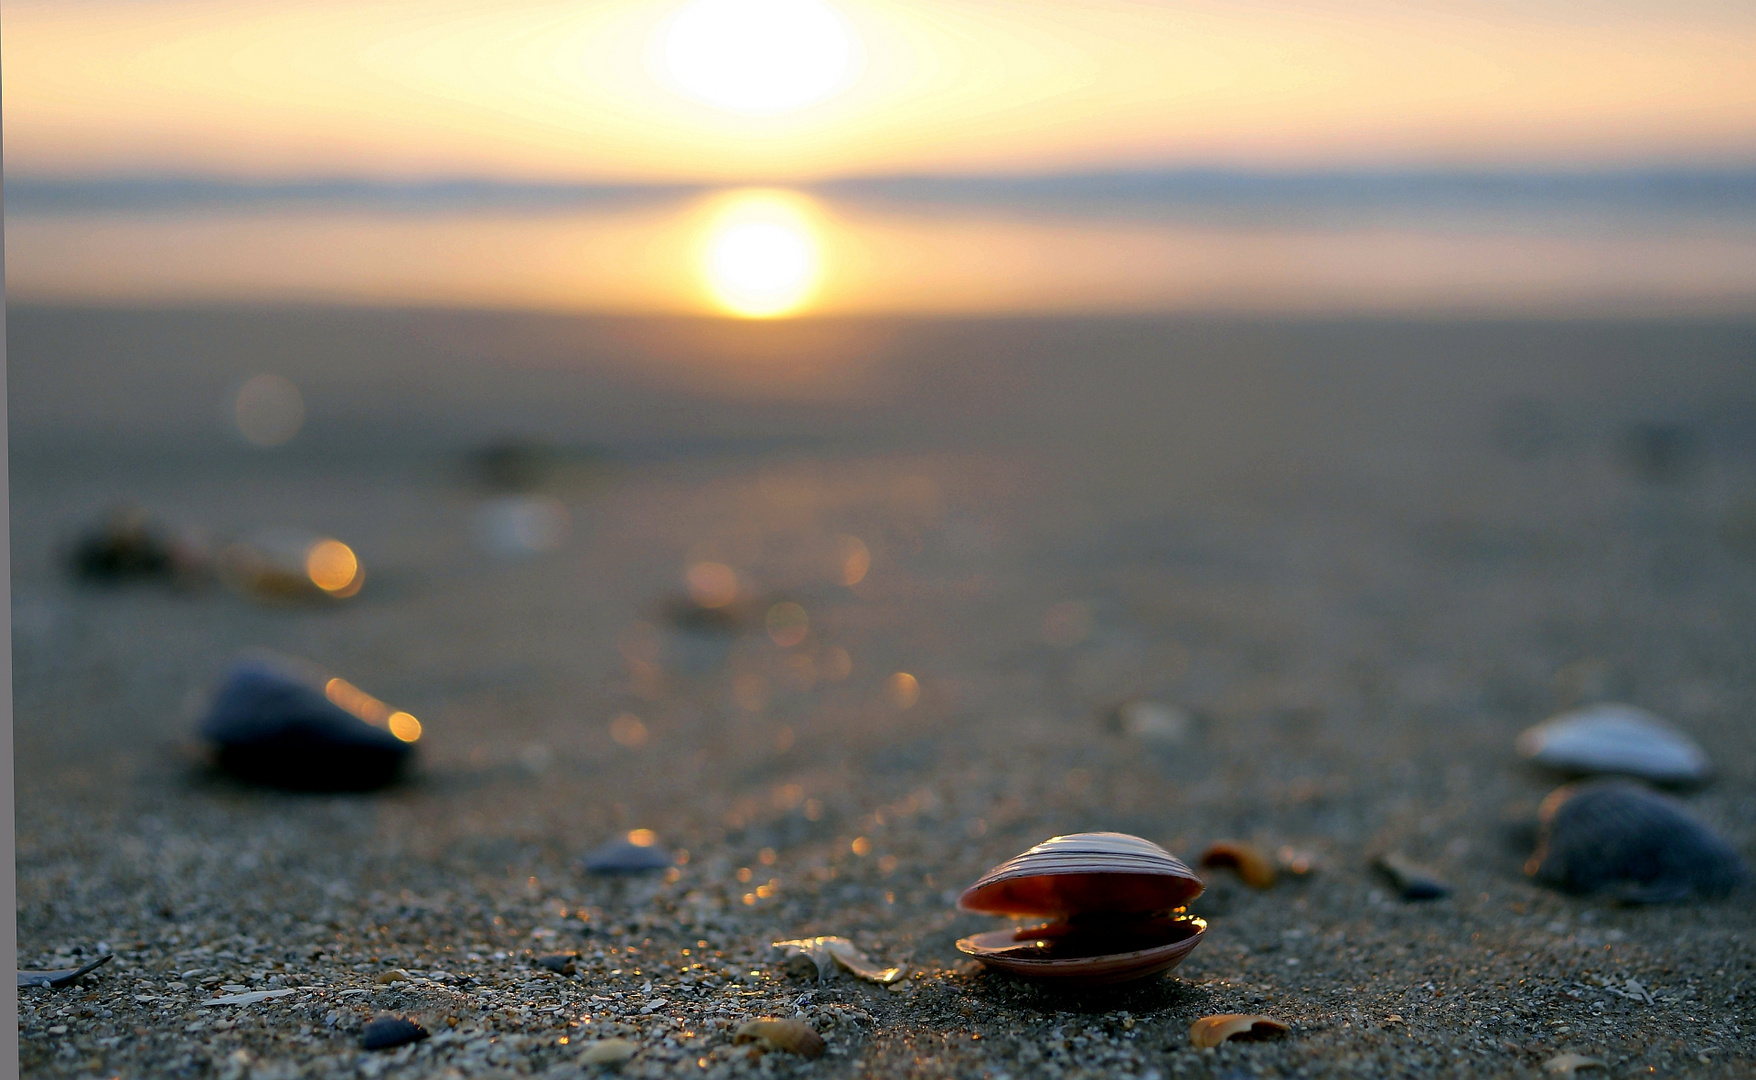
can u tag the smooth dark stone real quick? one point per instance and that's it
(1413, 882)
(623, 856)
(1618, 838)
(388, 1032)
(271, 724)
(559, 963)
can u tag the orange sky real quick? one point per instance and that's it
(521, 89)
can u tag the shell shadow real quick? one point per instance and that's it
(1142, 998)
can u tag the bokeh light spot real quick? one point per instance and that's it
(628, 731)
(904, 689)
(404, 726)
(333, 568)
(788, 624)
(711, 584)
(761, 256)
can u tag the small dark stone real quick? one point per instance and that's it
(389, 1032)
(637, 853)
(559, 963)
(1412, 882)
(1618, 838)
(513, 464)
(272, 723)
(128, 545)
(1658, 453)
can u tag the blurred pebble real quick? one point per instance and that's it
(129, 545)
(1153, 722)
(1412, 881)
(559, 963)
(276, 722)
(518, 526)
(1569, 1063)
(790, 1036)
(389, 1032)
(1658, 453)
(1615, 738)
(513, 464)
(1619, 838)
(639, 852)
(611, 1053)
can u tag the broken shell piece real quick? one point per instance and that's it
(392, 977)
(278, 722)
(1251, 865)
(282, 565)
(613, 1053)
(389, 1032)
(792, 1036)
(1412, 881)
(638, 852)
(1569, 1063)
(1617, 739)
(825, 952)
(1153, 722)
(1623, 839)
(1243, 1027)
(1115, 904)
(66, 977)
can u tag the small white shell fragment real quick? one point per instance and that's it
(249, 999)
(827, 951)
(1616, 739)
(1570, 1063)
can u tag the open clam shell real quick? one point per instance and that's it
(1114, 904)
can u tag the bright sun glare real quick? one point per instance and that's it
(761, 256)
(758, 57)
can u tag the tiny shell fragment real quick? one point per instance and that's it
(389, 1032)
(1570, 1063)
(62, 978)
(611, 1052)
(394, 975)
(1251, 865)
(1615, 738)
(822, 951)
(1248, 1027)
(792, 1036)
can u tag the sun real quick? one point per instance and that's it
(757, 57)
(760, 258)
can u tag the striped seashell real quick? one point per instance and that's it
(1114, 900)
(1085, 874)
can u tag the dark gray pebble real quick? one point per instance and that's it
(388, 1032)
(627, 855)
(559, 963)
(1626, 841)
(1412, 882)
(272, 723)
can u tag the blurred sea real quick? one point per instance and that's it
(1615, 242)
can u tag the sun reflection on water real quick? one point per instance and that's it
(762, 255)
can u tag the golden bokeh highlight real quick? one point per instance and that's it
(904, 689)
(855, 559)
(333, 567)
(642, 837)
(711, 584)
(404, 726)
(628, 730)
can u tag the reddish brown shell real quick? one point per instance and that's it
(1089, 955)
(1085, 874)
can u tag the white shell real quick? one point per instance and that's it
(1616, 739)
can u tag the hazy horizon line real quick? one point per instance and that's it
(1704, 187)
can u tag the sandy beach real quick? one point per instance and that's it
(1362, 556)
